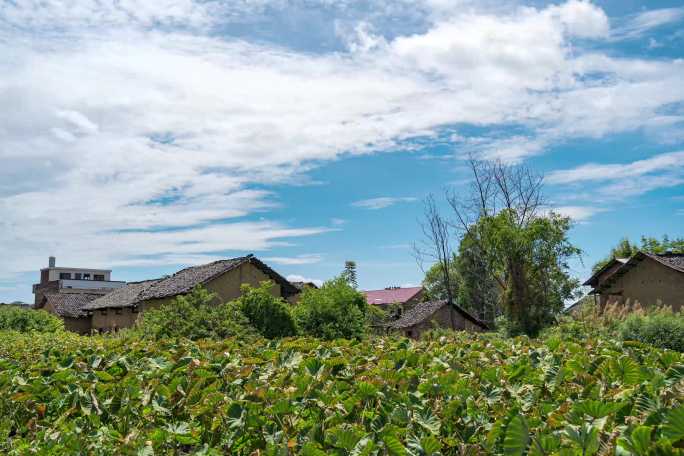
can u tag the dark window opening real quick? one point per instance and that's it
(86, 276)
(98, 277)
(64, 275)
(77, 276)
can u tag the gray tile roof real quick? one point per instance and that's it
(424, 310)
(183, 281)
(72, 305)
(121, 297)
(417, 314)
(672, 260)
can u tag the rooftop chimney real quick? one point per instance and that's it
(51, 262)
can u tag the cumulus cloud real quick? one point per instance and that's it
(382, 202)
(135, 133)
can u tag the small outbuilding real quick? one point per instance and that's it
(435, 314)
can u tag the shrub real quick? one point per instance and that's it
(663, 329)
(27, 320)
(265, 312)
(336, 310)
(195, 316)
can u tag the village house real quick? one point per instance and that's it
(121, 308)
(435, 314)
(65, 291)
(646, 279)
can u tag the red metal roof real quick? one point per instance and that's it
(391, 295)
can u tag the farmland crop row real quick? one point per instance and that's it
(460, 394)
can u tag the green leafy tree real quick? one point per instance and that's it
(530, 264)
(335, 310)
(478, 291)
(434, 285)
(267, 313)
(27, 320)
(623, 249)
(195, 316)
(349, 273)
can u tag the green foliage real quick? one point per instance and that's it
(267, 313)
(195, 316)
(530, 263)
(663, 329)
(433, 283)
(349, 273)
(335, 310)
(27, 320)
(626, 249)
(459, 394)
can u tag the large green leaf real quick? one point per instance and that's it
(673, 428)
(517, 436)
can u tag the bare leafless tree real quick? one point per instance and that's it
(436, 246)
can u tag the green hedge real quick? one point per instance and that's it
(16, 318)
(661, 329)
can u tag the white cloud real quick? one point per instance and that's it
(300, 278)
(382, 202)
(597, 171)
(578, 213)
(639, 24)
(310, 258)
(133, 133)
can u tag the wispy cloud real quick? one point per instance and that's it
(639, 24)
(579, 213)
(310, 258)
(599, 171)
(383, 202)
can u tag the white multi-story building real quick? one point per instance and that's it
(65, 291)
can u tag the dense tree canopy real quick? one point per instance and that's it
(336, 310)
(269, 314)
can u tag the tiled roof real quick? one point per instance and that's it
(122, 297)
(302, 285)
(593, 280)
(391, 295)
(183, 281)
(424, 310)
(672, 260)
(70, 305)
(186, 279)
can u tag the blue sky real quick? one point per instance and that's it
(148, 136)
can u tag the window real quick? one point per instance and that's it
(77, 276)
(64, 275)
(86, 276)
(98, 277)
